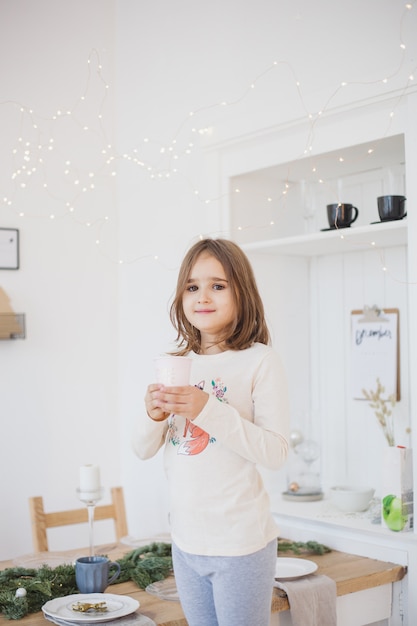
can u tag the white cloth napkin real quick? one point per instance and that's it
(312, 600)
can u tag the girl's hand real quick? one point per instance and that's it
(187, 401)
(153, 405)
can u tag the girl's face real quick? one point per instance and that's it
(208, 301)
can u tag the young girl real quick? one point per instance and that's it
(216, 431)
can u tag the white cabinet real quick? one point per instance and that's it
(311, 279)
(287, 200)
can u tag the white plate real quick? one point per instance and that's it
(134, 619)
(117, 606)
(52, 559)
(164, 589)
(139, 543)
(293, 568)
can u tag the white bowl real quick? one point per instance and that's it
(352, 499)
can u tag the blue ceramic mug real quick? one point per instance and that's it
(92, 573)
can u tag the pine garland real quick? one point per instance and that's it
(144, 566)
(299, 547)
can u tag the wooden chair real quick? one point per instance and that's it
(41, 520)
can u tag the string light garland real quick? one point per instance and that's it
(39, 159)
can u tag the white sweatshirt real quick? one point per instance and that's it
(218, 503)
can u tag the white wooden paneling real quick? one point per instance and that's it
(351, 438)
(308, 304)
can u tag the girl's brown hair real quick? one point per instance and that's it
(249, 326)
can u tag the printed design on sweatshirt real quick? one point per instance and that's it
(219, 389)
(194, 439)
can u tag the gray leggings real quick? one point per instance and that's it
(226, 590)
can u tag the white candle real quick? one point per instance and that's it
(89, 478)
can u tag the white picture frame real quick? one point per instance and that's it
(375, 352)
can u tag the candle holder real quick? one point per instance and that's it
(303, 470)
(90, 499)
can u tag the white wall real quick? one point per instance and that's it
(71, 390)
(59, 386)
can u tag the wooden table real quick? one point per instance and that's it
(352, 574)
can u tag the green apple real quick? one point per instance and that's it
(392, 511)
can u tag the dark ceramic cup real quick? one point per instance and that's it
(341, 215)
(92, 573)
(391, 208)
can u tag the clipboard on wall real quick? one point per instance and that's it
(375, 351)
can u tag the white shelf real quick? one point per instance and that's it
(326, 513)
(381, 235)
(355, 533)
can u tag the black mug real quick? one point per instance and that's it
(341, 215)
(391, 208)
